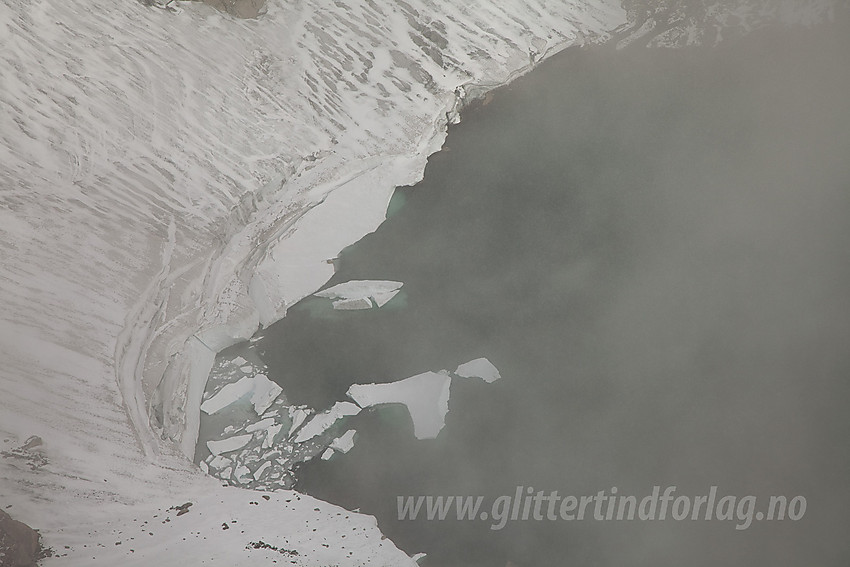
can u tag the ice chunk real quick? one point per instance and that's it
(228, 395)
(229, 444)
(327, 454)
(425, 395)
(204, 467)
(352, 304)
(271, 433)
(218, 462)
(262, 424)
(265, 393)
(259, 472)
(382, 298)
(242, 474)
(239, 361)
(297, 415)
(344, 442)
(358, 288)
(321, 422)
(479, 368)
(357, 294)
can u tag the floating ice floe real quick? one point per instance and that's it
(219, 462)
(258, 425)
(352, 304)
(229, 444)
(425, 395)
(263, 393)
(259, 472)
(323, 421)
(271, 433)
(382, 298)
(342, 444)
(229, 394)
(297, 416)
(242, 474)
(360, 294)
(479, 368)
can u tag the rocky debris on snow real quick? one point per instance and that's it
(28, 453)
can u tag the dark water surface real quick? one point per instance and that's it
(654, 249)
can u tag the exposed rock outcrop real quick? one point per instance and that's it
(20, 545)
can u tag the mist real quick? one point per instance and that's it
(654, 248)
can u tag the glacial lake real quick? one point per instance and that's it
(653, 247)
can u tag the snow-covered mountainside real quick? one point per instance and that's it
(681, 23)
(171, 179)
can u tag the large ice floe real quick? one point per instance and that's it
(425, 395)
(361, 294)
(171, 180)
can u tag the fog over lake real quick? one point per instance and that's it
(653, 247)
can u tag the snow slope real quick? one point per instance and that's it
(169, 181)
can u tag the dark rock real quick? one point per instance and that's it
(19, 543)
(33, 441)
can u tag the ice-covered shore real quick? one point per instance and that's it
(170, 181)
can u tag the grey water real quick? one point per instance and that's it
(653, 247)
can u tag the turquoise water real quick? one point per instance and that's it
(654, 249)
